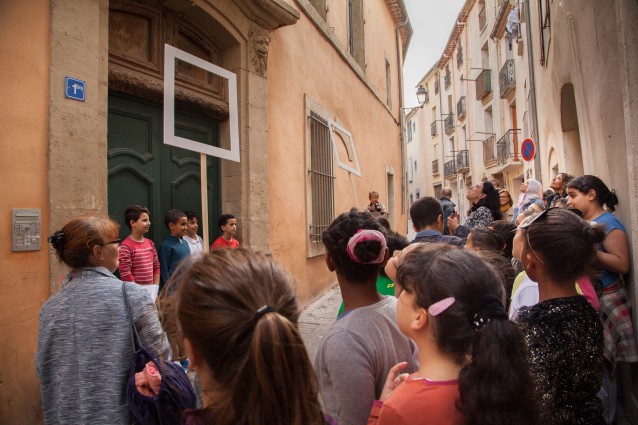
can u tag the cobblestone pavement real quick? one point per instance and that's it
(317, 318)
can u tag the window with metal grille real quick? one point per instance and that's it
(321, 176)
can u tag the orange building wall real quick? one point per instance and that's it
(302, 62)
(24, 284)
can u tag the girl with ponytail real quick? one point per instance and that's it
(238, 314)
(597, 203)
(563, 332)
(473, 362)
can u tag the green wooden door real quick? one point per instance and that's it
(143, 170)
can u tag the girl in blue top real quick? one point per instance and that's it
(594, 199)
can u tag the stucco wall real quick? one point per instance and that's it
(24, 82)
(302, 62)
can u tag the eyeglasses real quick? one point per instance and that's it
(536, 218)
(526, 225)
(117, 241)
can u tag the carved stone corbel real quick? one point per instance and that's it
(260, 41)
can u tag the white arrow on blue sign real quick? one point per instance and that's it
(74, 89)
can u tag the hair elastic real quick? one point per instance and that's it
(367, 235)
(485, 308)
(440, 306)
(261, 311)
(56, 237)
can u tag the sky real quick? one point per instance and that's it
(432, 22)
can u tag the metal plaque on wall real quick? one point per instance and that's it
(27, 229)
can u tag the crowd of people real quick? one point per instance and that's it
(517, 316)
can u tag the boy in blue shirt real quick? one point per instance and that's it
(174, 249)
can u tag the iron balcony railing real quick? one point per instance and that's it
(449, 169)
(507, 78)
(449, 124)
(461, 108)
(488, 152)
(463, 161)
(508, 147)
(483, 84)
(482, 17)
(447, 80)
(435, 166)
(433, 128)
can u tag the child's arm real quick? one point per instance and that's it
(126, 262)
(616, 259)
(156, 267)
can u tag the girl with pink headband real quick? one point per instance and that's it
(357, 352)
(473, 360)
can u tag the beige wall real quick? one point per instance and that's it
(326, 78)
(24, 84)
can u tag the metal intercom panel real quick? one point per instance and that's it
(27, 229)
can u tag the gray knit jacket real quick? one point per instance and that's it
(84, 347)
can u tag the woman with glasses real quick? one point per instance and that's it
(85, 338)
(485, 209)
(507, 203)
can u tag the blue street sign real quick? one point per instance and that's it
(528, 149)
(74, 89)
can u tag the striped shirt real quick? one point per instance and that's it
(138, 261)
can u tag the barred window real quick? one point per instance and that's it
(321, 178)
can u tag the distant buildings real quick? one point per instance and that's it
(562, 73)
(319, 85)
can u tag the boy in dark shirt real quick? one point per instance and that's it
(427, 219)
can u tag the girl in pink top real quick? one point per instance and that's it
(473, 361)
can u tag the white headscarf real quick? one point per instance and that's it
(534, 191)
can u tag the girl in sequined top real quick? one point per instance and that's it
(473, 362)
(563, 333)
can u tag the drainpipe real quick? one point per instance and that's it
(532, 89)
(404, 192)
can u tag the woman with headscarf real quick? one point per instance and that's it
(530, 200)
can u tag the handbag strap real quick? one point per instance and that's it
(137, 342)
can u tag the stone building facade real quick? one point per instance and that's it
(319, 85)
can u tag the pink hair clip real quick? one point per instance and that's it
(440, 306)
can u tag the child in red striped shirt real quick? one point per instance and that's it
(138, 258)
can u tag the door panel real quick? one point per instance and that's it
(143, 170)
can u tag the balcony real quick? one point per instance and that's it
(482, 17)
(433, 128)
(449, 169)
(508, 149)
(483, 84)
(437, 86)
(435, 167)
(489, 160)
(449, 124)
(507, 79)
(463, 161)
(447, 80)
(461, 108)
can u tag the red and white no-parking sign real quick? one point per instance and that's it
(528, 149)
